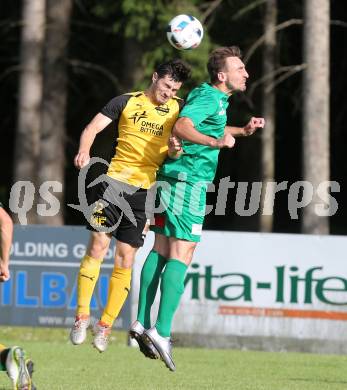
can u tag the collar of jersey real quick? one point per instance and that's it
(219, 93)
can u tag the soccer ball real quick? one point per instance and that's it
(184, 32)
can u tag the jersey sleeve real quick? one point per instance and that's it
(181, 104)
(115, 106)
(199, 107)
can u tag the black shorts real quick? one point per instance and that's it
(120, 210)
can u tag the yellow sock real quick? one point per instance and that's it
(117, 294)
(87, 278)
(2, 347)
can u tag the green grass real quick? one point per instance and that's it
(61, 366)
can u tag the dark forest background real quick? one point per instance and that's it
(112, 48)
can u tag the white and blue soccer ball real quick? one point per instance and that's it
(185, 32)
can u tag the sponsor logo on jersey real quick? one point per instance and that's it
(99, 206)
(138, 115)
(162, 110)
(152, 128)
(222, 111)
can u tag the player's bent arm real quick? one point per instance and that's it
(97, 124)
(235, 131)
(6, 234)
(184, 129)
(247, 130)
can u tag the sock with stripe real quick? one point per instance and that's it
(118, 290)
(87, 277)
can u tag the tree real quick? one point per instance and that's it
(316, 168)
(27, 146)
(52, 138)
(141, 27)
(268, 98)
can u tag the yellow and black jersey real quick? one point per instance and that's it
(143, 133)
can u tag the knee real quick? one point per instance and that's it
(124, 257)
(162, 250)
(182, 250)
(190, 252)
(192, 248)
(98, 246)
(125, 260)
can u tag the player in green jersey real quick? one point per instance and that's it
(202, 128)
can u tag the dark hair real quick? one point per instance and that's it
(177, 69)
(216, 61)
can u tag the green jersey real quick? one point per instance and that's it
(206, 108)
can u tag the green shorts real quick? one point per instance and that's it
(180, 208)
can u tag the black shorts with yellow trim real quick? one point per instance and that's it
(119, 210)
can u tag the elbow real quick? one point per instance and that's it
(178, 129)
(176, 132)
(9, 223)
(6, 222)
(90, 131)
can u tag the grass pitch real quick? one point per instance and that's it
(61, 366)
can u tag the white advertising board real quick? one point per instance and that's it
(267, 285)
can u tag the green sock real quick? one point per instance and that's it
(172, 288)
(150, 276)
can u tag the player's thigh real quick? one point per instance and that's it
(162, 245)
(184, 215)
(133, 227)
(105, 216)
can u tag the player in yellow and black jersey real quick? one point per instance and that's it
(144, 129)
(144, 121)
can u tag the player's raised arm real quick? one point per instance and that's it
(97, 124)
(248, 129)
(184, 129)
